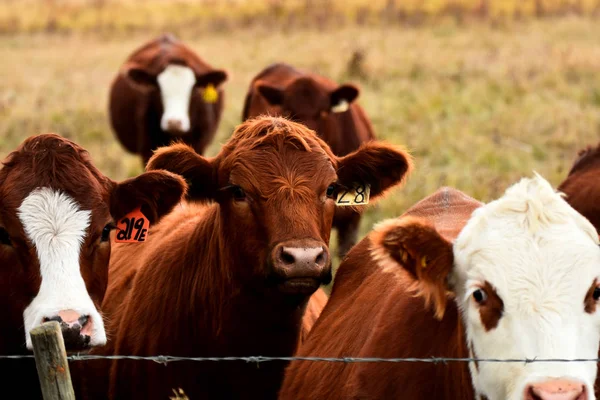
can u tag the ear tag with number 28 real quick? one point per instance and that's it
(133, 228)
(358, 194)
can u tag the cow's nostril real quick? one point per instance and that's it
(320, 260)
(83, 320)
(56, 318)
(287, 258)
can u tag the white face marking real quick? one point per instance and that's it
(56, 226)
(542, 258)
(176, 83)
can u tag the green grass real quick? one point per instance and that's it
(478, 107)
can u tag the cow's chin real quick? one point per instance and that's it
(299, 286)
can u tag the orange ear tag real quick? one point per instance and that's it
(133, 228)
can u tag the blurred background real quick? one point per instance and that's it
(481, 92)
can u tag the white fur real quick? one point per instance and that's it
(176, 83)
(542, 257)
(56, 226)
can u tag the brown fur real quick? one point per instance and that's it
(206, 284)
(281, 89)
(135, 105)
(49, 160)
(582, 185)
(373, 312)
(491, 309)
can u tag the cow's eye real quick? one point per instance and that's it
(596, 293)
(330, 191)
(238, 193)
(4, 237)
(480, 296)
(106, 232)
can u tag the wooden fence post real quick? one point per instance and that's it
(51, 362)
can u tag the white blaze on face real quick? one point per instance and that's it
(542, 258)
(57, 227)
(176, 83)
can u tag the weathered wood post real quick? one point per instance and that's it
(51, 362)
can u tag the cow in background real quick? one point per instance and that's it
(516, 278)
(323, 106)
(57, 217)
(165, 92)
(237, 271)
(582, 185)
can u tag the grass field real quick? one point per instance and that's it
(478, 106)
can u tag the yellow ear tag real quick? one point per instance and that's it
(423, 262)
(210, 94)
(341, 107)
(133, 228)
(355, 196)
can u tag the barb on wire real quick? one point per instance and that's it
(259, 359)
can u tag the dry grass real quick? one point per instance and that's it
(477, 106)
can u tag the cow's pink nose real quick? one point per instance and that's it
(174, 125)
(556, 389)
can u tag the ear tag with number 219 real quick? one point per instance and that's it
(133, 228)
(358, 194)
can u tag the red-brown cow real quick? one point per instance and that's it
(233, 277)
(57, 212)
(582, 185)
(323, 106)
(516, 278)
(165, 92)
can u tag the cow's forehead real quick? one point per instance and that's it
(528, 239)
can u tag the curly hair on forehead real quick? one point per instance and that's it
(276, 131)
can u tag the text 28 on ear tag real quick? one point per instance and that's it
(358, 194)
(133, 228)
(210, 94)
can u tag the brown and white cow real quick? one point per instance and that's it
(233, 276)
(57, 212)
(165, 92)
(516, 278)
(323, 106)
(582, 185)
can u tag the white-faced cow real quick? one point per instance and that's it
(165, 92)
(57, 212)
(517, 278)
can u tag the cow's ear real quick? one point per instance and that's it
(272, 94)
(156, 192)
(215, 78)
(198, 171)
(342, 97)
(414, 245)
(376, 164)
(141, 77)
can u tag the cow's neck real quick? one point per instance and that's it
(235, 311)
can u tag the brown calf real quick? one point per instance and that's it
(57, 212)
(582, 185)
(323, 106)
(233, 276)
(165, 92)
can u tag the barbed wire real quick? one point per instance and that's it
(259, 359)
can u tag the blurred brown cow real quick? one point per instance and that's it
(582, 185)
(164, 91)
(323, 106)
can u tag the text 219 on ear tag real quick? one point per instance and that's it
(357, 195)
(133, 228)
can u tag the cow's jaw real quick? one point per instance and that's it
(57, 227)
(176, 83)
(541, 259)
